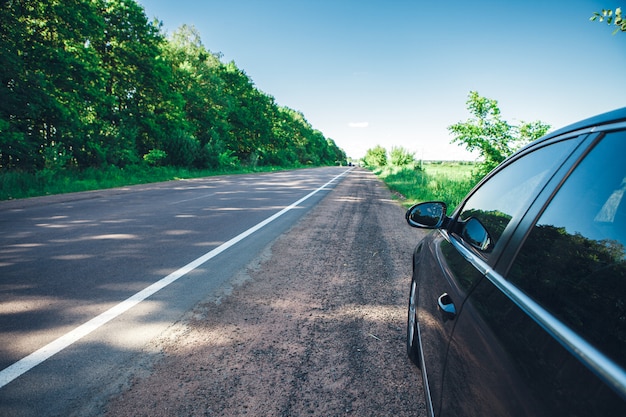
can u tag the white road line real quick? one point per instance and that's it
(29, 362)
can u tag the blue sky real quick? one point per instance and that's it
(398, 72)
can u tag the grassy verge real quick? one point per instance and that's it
(445, 181)
(14, 185)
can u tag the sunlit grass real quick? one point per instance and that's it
(446, 181)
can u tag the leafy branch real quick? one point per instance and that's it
(611, 17)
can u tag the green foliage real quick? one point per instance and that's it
(227, 159)
(155, 157)
(401, 157)
(375, 157)
(182, 149)
(487, 133)
(90, 84)
(55, 157)
(611, 17)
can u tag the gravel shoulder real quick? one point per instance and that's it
(314, 326)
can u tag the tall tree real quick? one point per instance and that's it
(490, 135)
(336, 154)
(50, 79)
(197, 78)
(143, 113)
(284, 129)
(247, 110)
(17, 149)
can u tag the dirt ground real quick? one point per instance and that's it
(314, 327)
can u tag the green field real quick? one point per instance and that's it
(443, 181)
(453, 170)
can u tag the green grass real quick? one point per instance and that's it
(14, 185)
(443, 181)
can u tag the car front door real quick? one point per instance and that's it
(476, 378)
(547, 337)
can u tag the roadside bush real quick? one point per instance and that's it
(401, 157)
(155, 157)
(375, 157)
(227, 159)
(182, 149)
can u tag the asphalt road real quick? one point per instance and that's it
(66, 261)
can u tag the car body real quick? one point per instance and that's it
(517, 304)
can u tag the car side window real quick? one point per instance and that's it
(506, 195)
(574, 260)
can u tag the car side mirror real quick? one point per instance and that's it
(476, 234)
(430, 215)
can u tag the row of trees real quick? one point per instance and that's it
(398, 156)
(88, 83)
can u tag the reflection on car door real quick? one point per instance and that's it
(501, 362)
(542, 334)
(482, 380)
(435, 279)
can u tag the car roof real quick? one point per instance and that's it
(614, 116)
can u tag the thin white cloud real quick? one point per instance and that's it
(358, 125)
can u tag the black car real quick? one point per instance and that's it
(517, 304)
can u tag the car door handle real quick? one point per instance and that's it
(446, 306)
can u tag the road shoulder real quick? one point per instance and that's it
(315, 325)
